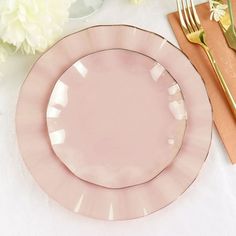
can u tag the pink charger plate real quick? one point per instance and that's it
(93, 200)
(116, 118)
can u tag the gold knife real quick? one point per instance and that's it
(227, 25)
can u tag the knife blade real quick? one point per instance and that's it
(227, 25)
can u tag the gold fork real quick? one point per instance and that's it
(195, 33)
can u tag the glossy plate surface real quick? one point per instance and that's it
(116, 118)
(93, 200)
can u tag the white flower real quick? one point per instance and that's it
(217, 10)
(32, 25)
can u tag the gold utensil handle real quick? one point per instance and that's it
(231, 15)
(222, 81)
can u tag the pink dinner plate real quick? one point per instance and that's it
(60, 182)
(116, 118)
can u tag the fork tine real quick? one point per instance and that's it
(182, 22)
(193, 23)
(186, 17)
(195, 16)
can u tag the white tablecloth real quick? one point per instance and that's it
(207, 208)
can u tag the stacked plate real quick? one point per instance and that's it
(114, 122)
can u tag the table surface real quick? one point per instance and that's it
(208, 207)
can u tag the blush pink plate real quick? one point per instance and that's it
(116, 118)
(114, 72)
